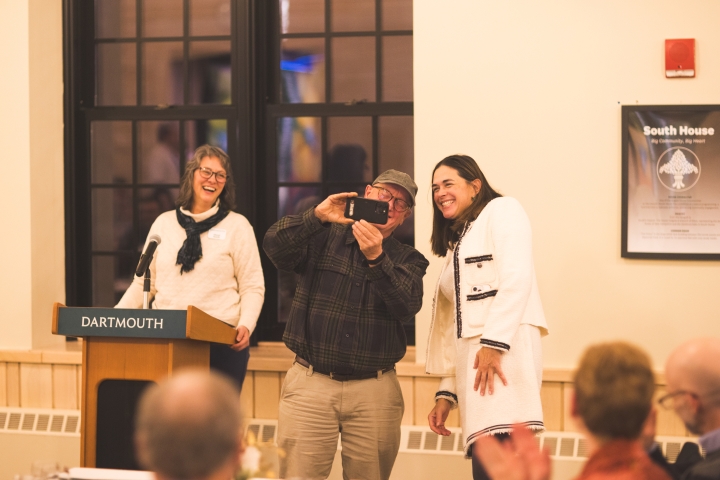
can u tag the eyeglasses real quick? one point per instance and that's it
(400, 205)
(668, 401)
(207, 174)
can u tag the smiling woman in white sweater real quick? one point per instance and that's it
(487, 316)
(208, 257)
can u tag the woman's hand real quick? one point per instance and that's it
(242, 341)
(487, 363)
(332, 209)
(438, 415)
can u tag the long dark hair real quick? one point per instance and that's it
(227, 196)
(446, 231)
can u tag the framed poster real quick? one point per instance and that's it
(671, 182)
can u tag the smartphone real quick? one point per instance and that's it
(373, 211)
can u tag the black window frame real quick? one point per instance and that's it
(251, 120)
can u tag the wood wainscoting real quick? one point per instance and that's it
(52, 379)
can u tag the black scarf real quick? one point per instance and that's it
(191, 250)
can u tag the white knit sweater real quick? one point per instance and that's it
(227, 282)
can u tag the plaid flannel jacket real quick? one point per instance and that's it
(345, 317)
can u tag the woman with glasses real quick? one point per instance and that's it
(207, 257)
(487, 316)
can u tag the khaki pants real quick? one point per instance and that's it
(314, 410)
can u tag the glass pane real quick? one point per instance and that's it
(359, 188)
(116, 74)
(162, 18)
(353, 69)
(201, 132)
(397, 69)
(209, 17)
(151, 203)
(353, 15)
(395, 144)
(115, 18)
(397, 15)
(111, 152)
(158, 152)
(349, 149)
(302, 16)
(295, 200)
(302, 69)
(298, 149)
(210, 72)
(162, 77)
(104, 281)
(112, 217)
(112, 275)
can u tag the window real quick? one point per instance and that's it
(308, 97)
(339, 111)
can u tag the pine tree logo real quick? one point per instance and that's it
(681, 172)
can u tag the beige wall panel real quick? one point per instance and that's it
(668, 423)
(64, 387)
(13, 384)
(36, 385)
(78, 371)
(267, 394)
(425, 389)
(551, 397)
(408, 393)
(3, 384)
(247, 400)
(568, 422)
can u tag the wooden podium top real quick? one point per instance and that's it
(193, 324)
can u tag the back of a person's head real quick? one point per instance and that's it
(614, 386)
(189, 426)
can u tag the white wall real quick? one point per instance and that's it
(532, 90)
(31, 132)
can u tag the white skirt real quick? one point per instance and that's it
(516, 402)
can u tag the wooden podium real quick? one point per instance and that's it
(132, 345)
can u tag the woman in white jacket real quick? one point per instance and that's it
(487, 315)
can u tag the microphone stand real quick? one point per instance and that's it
(146, 289)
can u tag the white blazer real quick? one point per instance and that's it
(495, 286)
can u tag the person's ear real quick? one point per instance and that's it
(368, 189)
(477, 185)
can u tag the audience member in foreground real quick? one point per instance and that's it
(614, 385)
(190, 428)
(692, 373)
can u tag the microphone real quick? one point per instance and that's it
(147, 255)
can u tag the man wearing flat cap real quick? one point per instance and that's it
(357, 286)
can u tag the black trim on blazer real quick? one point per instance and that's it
(456, 267)
(494, 343)
(532, 425)
(481, 258)
(480, 296)
(445, 393)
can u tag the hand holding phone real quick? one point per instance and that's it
(372, 211)
(333, 207)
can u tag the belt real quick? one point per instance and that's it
(340, 377)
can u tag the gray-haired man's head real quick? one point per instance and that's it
(189, 426)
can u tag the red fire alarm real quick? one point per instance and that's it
(680, 57)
